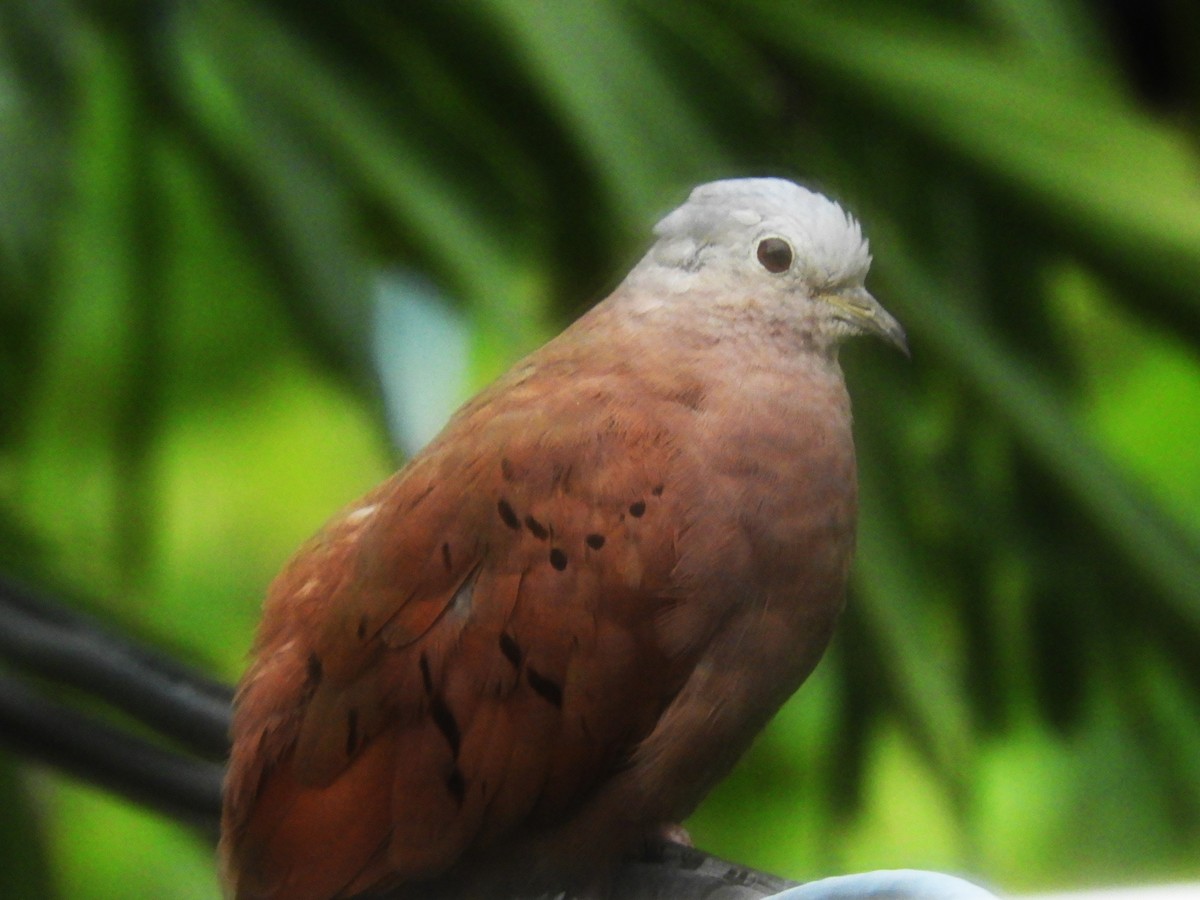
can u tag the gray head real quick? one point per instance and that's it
(773, 245)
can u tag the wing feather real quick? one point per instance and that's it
(465, 653)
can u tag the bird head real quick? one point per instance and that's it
(770, 245)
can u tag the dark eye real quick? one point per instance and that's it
(775, 254)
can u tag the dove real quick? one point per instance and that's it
(548, 636)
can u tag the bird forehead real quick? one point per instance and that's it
(736, 212)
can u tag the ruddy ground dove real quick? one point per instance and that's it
(560, 624)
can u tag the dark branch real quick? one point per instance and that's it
(70, 649)
(181, 787)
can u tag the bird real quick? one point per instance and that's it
(549, 635)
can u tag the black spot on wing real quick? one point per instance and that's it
(536, 528)
(558, 559)
(546, 688)
(638, 509)
(511, 649)
(595, 541)
(444, 719)
(508, 515)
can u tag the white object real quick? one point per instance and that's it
(888, 884)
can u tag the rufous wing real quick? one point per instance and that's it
(462, 656)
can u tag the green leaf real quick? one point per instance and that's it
(592, 62)
(1104, 173)
(1150, 540)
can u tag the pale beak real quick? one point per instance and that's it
(862, 311)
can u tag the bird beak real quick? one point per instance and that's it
(866, 314)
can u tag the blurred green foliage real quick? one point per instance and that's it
(197, 201)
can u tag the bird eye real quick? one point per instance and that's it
(775, 254)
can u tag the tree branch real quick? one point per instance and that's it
(63, 646)
(176, 785)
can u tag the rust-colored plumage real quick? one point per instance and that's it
(561, 623)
